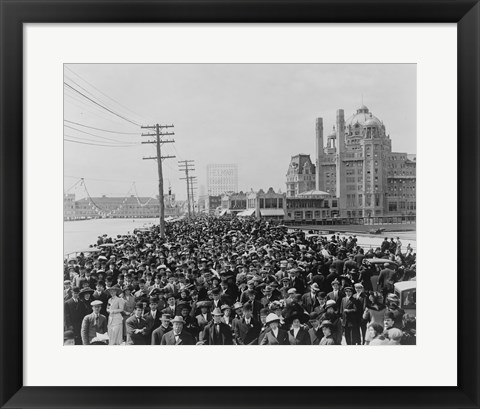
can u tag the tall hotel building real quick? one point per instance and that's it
(356, 166)
(222, 178)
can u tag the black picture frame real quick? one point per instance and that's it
(465, 13)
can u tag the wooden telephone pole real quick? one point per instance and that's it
(187, 166)
(158, 141)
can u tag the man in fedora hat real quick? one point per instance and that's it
(171, 307)
(158, 333)
(246, 329)
(315, 331)
(336, 295)
(74, 311)
(263, 322)
(276, 335)
(217, 332)
(178, 336)
(309, 300)
(350, 318)
(268, 297)
(152, 317)
(136, 327)
(205, 316)
(93, 323)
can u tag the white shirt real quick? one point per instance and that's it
(295, 332)
(275, 332)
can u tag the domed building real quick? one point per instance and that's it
(359, 171)
(358, 167)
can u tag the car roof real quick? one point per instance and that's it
(405, 285)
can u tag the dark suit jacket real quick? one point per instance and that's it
(245, 334)
(201, 322)
(263, 331)
(264, 301)
(132, 324)
(152, 324)
(225, 335)
(349, 312)
(315, 336)
(157, 334)
(170, 310)
(270, 339)
(73, 315)
(89, 329)
(308, 302)
(302, 338)
(338, 300)
(184, 339)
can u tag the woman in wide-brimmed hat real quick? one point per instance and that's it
(276, 335)
(327, 329)
(116, 307)
(85, 296)
(295, 317)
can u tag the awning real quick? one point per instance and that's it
(272, 212)
(223, 212)
(246, 213)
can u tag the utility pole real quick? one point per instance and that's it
(158, 141)
(187, 166)
(193, 179)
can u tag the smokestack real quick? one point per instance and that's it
(319, 179)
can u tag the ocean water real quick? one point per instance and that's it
(79, 234)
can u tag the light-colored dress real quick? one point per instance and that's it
(115, 320)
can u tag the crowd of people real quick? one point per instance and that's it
(222, 281)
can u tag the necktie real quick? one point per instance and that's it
(96, 320)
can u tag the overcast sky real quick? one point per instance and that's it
(255, 115)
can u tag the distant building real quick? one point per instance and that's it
(222, 178)
(123, 207)
(233, 203)
(212, 203)
(269, 205)
(300, 175)
(69, 206)
(313, 206)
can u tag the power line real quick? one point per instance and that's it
(96, 144)
(82, 138)
(101, 92)
(97, 136)
(100, 105)
(100, 129)
(109, 180)
(100, 113)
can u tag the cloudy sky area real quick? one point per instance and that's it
(255, 115)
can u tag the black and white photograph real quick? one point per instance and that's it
(239, 204)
